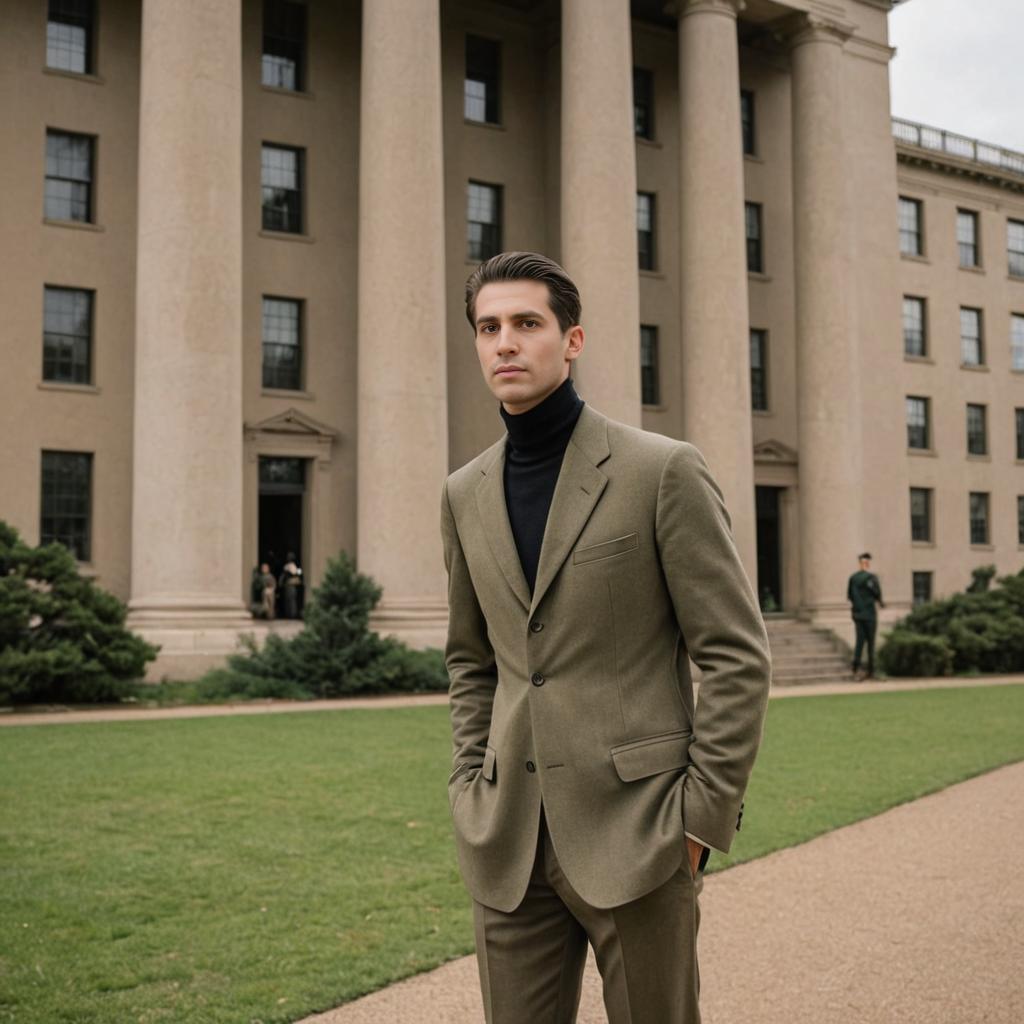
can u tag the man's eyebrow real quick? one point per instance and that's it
(526, 314)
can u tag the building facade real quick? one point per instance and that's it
(234, 239)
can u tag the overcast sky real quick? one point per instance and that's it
(960, 66)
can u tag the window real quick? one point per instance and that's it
(755, 258)
(967, 237)
(282, 343)
(920, 513)
(922, 587)
(1020, 518)
(747, 121)
(645, 229)
(281, 177)
(284, 45)
(918, 432)
(979, 517)
(66, 500)
(643, 103)
(758, 368)
(69, 30)
(483, 74)
(483, 221)
(1018, 416)
(67, 335)
(977, 439)
(972, 350)
(915, 341)
(1017, 341)
(1015, 247)
(68, 194)
(650, 392)
(910, 227)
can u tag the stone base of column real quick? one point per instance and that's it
(417, 621)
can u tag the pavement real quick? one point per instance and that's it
(915, 916)
(58, 714)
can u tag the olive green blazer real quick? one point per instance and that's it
(581, 693)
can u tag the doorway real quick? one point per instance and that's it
(281, 515)
(769, 549)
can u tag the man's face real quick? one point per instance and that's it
(523, 353)
(865, 563)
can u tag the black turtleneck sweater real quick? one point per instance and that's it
(537, 440)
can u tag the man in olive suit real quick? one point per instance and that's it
(588, 561)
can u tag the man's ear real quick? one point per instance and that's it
(575, 340)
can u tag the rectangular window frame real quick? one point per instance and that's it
(759, 400)
(977, 429)
(911, 226)
(647, 239)
(1017, 341)
(748, 122)
(753, 215)
(489, 243)
(285, 25)
(65, 515)
(482, 72)
(972, 346)
(978, 508)
(272, 215)
(922, 429)
(967, 239)
(272, 375)
(921, 583)
(67, 355)
(83, 201)
(1015, 247)
(915, 329)
(650, 367)
(61, 16)
(921, 515)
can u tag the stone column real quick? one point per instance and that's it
(598, 185)
(187, 586)
(713, 265)
(826, 365)
(403, 425)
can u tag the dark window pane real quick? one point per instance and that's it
(747, 121)
(67, 335)
(281, 177)
(69, 28)
(483, 220)
(979, 517)
(910, 226)
(913, 327)
(282, 343)
(1015, 246)
(282, 472)
(755, 259)
(971, 349)
(481, 85)
(917, 422)
(967, 237)
(1017, 341)
(977, 443)
(643, 103)
(284, 45)
(645, 230)
(920, 514)
(68, 187)
(1018, 415)
(922, 587)
(1020, 518)
(650, 392)
(758, 369)
(65, 501)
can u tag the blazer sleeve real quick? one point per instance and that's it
(469, 658)
(724, 632)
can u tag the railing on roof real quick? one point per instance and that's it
(958, 145)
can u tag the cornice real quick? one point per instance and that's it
(809, 27)
(946, 163)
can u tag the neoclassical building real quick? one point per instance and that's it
(234, 236)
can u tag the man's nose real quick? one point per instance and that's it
(507, 340)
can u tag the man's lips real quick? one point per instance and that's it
(507, 371)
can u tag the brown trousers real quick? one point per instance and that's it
(531, 960)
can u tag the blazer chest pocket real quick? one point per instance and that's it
(618, 546)
(651, 755)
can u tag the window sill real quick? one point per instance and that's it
(974, 457)
(86, 569)
(59, 385)
(649, 143)
(914, 258)
(761, 412)
(654, 275)
(80, 225)
(973, 270)
(753, 158)
(657, 407)
(82, 76)
(922, 544)
(975, 368)
(926, 360)
(494, 126)
(927, 452)
(305, 396)
(287, 236)
(277, 90)
(1015, 277)
(758, 275)
(983, 547)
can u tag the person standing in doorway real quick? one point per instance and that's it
(291, 580)
(862, 591)
(588, 562)
(268, 588)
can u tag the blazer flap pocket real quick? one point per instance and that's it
(487, 771)
(605, 550)
(651, 755)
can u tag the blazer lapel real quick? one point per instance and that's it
(580, 485)
(490, 503)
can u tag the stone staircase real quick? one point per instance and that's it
(803, 654)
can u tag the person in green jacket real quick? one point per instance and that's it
(862, 591)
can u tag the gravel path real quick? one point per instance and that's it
(912, 917)
(58, 715)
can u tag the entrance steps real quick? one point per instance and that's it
(803, 654)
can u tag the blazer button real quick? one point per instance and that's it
(537, 679)
(536, 627)
(530, 766)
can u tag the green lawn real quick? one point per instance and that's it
(261, 868)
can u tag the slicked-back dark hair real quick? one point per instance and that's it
(563, 295)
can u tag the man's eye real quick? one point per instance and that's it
(529, 323)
